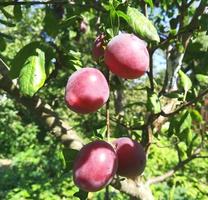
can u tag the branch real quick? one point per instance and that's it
(185, 105)
(130, 187)
(172, 172)
(13, 3)
(186, 31)
(43, 113)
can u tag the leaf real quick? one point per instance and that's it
(27, 51)
(195, 115)
(185, 122)
(6, 13)
(82, 195)
(101, 132)
(2, 44)
(7, 23)
(182, 148)
(17, 12)
(32, 75)
(186, 82)
(142, 25)
(203, 79)
(153, 103)
(123, 15)
(150, 2)
(51, 23)
(69, 157)
(173, 94)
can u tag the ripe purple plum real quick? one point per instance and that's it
(126, 56)
(98, 47)
(86, 91)
(95, 166)
(131, 157)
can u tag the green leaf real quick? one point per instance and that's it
(7, 23)
(2, 44)
(185, 122)
(195, 115)
(32, 75)
(150, 2)
(185, 82)
(142, 25)
(6, 13)
(114, 19)
(101, 132)
(153, 103)
(82, 195)
(27, 51)
(203, 79)
(51, 23)
(182, 148)
(17, 12)
(123, 15)
(69, 157)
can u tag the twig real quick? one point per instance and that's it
(34, 2)
(171, 172)
(150, 73)
(185, 105)
(108, 110)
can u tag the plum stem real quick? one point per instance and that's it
(108, 109)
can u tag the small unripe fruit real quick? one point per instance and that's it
(98, 47)
(126, 56)
(83, 26)
(95, 166)
(131, 157)
(86, 90)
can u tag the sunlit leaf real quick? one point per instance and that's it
(32, 75)
(142, 25)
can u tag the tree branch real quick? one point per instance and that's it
(42, 112)
(13, 3)
(185, 105)
(172, 172)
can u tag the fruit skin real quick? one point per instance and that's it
(95, 166)
(131, 157)
(86, 90)
(126, 56)
(98, 47)
(83, 26)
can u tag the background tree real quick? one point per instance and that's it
(166, 109)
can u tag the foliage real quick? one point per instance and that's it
(43, 44)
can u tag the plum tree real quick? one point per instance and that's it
(131, 157)
(86, 90)
(126, 56)
(98, 47)
(95, 166)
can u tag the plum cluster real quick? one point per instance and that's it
(86, 91)
(98, 162)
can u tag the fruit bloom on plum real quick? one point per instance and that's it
(131, 157)
(126, 56)
(86, 91)
(95, 166)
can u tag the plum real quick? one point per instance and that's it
(126, 56)
(86, 91)
(95, 166)
(131, 157)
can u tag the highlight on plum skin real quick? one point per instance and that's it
(127, 56)
(86, 91)
(95, 166)
(131, 157)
